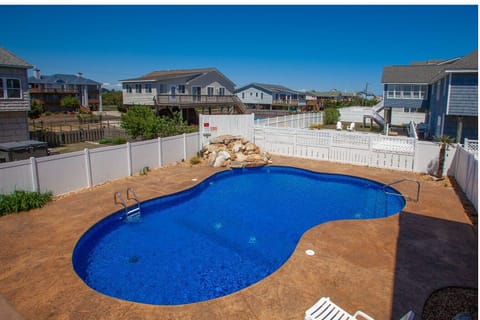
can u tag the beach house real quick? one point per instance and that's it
(184, 90)
(446, 90)
(270, 96)
(49, 90)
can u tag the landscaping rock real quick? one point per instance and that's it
(234, 152)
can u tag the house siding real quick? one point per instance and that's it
(405, 103)
(463, 95)
(253, 95)
(14, 126)
(212, 79)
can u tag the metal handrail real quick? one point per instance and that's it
(403, 180)
(130, 190)
(117, 195)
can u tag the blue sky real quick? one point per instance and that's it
(302, 47)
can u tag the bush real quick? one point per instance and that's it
(112, 140)
(70, 102)
(21, 200)
(194, 160)
(35, 111)
(331, 116)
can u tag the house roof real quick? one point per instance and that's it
(62, 79)
(8, 59)
(410, 74)
(428, 71)
(190, 74)
(334, 93)
(270, 88)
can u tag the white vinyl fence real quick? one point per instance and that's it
(300, 121)
(464, 168)
(346, 147)
(211, 126)
(77, 170)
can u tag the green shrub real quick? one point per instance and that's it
(21, 200)
(194, 160)
(105, 140)
(119, 141)
(112, 140)
(35, 111)
(331, 116)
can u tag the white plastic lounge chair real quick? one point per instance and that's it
(339, 125)
(327, 310)
(351, 127)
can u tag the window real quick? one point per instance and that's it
(181, 88)
(243, 95)
(12, 88)
(405, 91)
(163, 88)
(148, 87)
(261, 95)
(210, 91)
(251, 94)
(256, 94)
(221, 91)
(138, 88)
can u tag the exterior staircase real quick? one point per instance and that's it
(240, 107)
(374, 114)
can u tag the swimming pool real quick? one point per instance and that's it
(224, 234)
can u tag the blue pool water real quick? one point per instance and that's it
(228, 232)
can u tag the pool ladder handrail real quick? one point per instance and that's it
(118, 199)
(399, 194)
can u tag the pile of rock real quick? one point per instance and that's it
(234, 152)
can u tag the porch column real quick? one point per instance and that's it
(459, 129)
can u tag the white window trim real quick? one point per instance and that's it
(213, 91)
(5, 89)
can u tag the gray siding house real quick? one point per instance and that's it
(49, 90)
(270, 96)
(446, 89)
(14, 97)
(183, 89)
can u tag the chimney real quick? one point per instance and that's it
(36, 73)
(79, 74)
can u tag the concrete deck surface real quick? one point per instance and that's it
(384, 267)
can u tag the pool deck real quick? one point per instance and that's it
(384, 267)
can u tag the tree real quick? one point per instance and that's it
(445, 142)
(112, 98)
(70, 102)
(140, 121)
(331, 116)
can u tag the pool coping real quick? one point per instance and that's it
(381, 266)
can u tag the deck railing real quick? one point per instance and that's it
(179, 99)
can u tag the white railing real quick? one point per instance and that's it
(346, 147)
(471, 146)
(302, 120)
(412, 130)
(69, 172)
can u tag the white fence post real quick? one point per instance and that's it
(159, 145)
(129, 158)
(34, 171)
(88, 167)
(184, 147)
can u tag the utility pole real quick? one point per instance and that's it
(366, 92)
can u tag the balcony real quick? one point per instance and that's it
(193, 100)
(288, 103)
(52, 91)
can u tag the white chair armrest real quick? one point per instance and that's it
(363, 314)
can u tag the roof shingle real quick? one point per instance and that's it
(8, 59)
